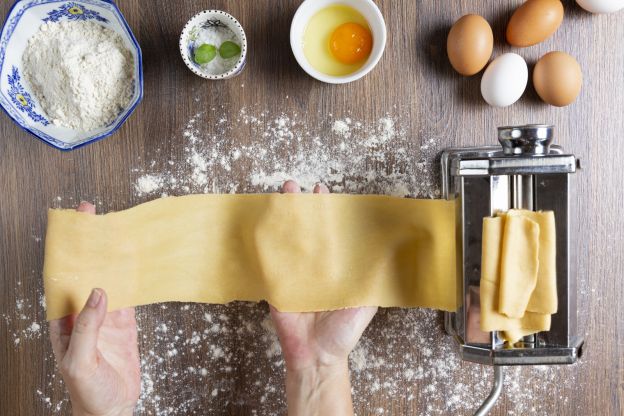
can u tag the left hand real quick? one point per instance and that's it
(98, 356)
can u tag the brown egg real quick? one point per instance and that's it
(469, 44)
(557, 78)
(534, 22)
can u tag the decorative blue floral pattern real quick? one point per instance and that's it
(191, 54)
(74, 11)
(22, 99)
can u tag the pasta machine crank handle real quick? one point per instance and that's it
(497, 388)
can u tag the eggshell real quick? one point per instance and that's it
(504, 80)
(534, 22)
(601, 6)
(557, 78)
(469, 44)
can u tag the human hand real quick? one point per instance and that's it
(98, 356)
(316, 348)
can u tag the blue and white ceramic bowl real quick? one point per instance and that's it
(19, 103)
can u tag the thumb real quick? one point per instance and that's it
(83, 342)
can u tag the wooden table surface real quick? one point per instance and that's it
(207, 359)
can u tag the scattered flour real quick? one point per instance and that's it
(231, 357)
(400, 348)
(147, 184)
(342, 128)
(354, 157)
(81, 73)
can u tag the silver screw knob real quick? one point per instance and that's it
(533, 139)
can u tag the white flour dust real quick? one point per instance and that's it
(349, 156)
(230, 358)
(28, 329)
(232, 352)
(414, 348)
(400, 348)
(24, 326)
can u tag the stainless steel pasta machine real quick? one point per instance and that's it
(524, 172)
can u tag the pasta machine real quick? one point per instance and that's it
(524, 172)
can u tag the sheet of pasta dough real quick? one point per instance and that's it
(299, 252)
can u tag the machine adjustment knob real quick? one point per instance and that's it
(530, 139)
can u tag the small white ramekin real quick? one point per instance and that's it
(186, 43)
(371, 13)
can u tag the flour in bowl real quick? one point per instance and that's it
(81, 73)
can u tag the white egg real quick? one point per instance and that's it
(504, 80)
(601, 6)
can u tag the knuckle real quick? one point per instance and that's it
(76, 370)
(82, 324)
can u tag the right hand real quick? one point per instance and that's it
(316, 347)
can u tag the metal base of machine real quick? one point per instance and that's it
(517, 355)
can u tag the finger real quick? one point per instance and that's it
(363, 317)
(279, 318)
(368, 313)
(122, 317)
(320, 188)
(60, 330)
(291, 187)
(83, 343)
(86, 207)
(285, 322)
(274, 312)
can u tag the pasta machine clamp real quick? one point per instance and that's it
(524, 172)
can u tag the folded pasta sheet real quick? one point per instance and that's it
(518, 274)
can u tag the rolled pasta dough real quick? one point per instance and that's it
(299, 252)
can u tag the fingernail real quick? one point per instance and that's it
(94, 298)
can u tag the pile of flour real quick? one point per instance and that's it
(81, 73)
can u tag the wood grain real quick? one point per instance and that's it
(415, 74)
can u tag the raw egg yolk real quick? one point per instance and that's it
(351, 43)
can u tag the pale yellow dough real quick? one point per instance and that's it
(519, 265)
(518, 276)
(544, 297)
(299, 252)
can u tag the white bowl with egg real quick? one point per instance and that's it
(190, 39)
(369, 11)
(17, 97)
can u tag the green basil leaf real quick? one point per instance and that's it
(229, 49)
(205, 53)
